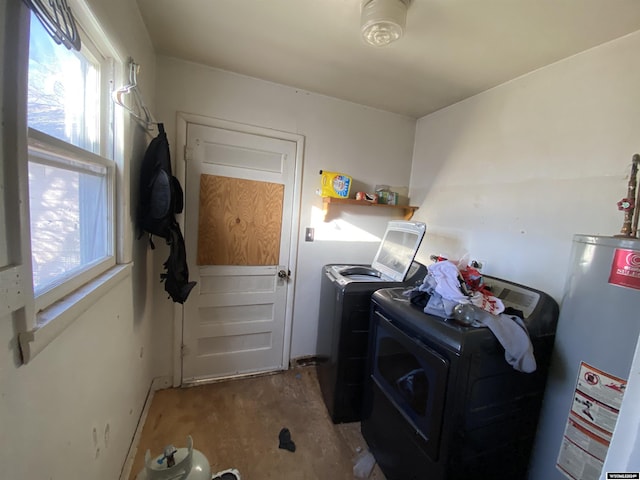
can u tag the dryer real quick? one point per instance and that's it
(343, 321)
(441, 402)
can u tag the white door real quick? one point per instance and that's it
(239, 209)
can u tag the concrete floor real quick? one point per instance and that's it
(236, 423)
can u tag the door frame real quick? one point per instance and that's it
(183, 120)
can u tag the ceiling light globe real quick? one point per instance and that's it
(381, 34)
(382, 21)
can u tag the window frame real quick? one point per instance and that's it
(36, 329)
(47, 150)
(43, 148)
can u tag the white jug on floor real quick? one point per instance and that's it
(176, 464)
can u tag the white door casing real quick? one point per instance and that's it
(237, 319)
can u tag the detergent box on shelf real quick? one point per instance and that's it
(334, 184)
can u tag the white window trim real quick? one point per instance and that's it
(43, 147)
(57, 317)
(117, 63)
(37, 329)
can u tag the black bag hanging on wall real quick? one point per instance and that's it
(161, 196)
(160, 199)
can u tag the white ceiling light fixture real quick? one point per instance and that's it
(382, 21)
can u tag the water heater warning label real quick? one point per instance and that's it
(625, 270)
(594, 411)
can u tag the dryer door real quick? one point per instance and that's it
(413, 377)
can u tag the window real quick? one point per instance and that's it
(71, 167)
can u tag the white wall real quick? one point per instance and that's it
(372, 146)
(73, 410)
(511, 174)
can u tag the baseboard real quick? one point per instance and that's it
(161, 383)
(158, 383)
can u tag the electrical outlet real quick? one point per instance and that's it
(478, 264)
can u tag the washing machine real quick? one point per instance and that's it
(343, 321)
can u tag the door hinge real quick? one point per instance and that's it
(183, 350)
(187, 153)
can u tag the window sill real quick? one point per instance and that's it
(53, 320)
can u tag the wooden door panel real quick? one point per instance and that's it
(236, 319)
(239, 221)
(236, 156)
(250, 279)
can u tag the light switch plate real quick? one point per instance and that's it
(308, 235)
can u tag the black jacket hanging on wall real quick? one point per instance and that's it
(160, 199)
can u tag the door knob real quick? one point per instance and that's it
(284, 274)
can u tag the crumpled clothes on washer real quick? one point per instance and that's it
(488, 303)
(436, 303)
(512, 334)
(445, 286)
(442, 283)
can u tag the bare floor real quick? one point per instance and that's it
(236, 423)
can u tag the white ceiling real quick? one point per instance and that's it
(452, 49)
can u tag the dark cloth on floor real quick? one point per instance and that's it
(285, 440)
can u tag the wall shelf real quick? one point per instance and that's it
(329, 203)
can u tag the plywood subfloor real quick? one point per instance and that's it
(236, 423)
